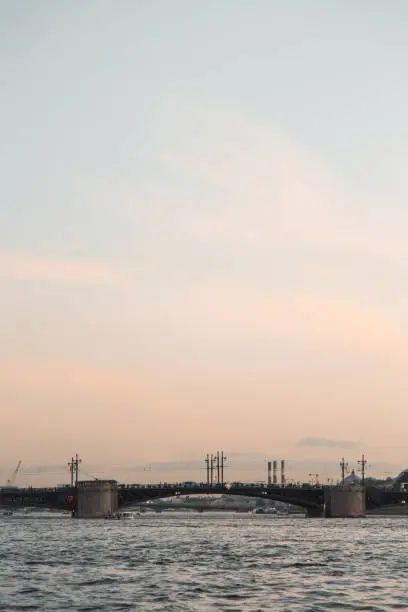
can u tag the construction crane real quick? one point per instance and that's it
(13, 477)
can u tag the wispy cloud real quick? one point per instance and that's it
(22, 266)
(302, 318)
(327, 443)
(269, 190)
(291, 250)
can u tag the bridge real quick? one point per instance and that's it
(80, 499)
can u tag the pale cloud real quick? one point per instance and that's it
(78, 406)
(269, 191)
(125, 418)
(22, 266)
(221, 310)
(222, 327)
(270, 208)
(325, 442)
(38, 376)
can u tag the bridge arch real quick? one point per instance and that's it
(309, 499)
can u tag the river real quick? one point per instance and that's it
(199, 562)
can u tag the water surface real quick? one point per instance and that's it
(200, 562)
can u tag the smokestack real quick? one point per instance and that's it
(283, 472)
(275, 473)
(269, 472)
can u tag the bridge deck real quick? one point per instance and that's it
(303, 496)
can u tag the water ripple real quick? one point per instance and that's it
(198, 563)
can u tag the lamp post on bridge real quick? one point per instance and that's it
(74, 469)
(71, 470)
(223, 460)
(215, 462)
(207, 466)
(363, 464)
(212, 465)
(344, 469)
(210, 462)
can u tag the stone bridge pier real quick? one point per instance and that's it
(344, 502)
(341, 502)
(96, 499)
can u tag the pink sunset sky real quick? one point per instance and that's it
(203, 237)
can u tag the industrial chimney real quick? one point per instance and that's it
(282, 472)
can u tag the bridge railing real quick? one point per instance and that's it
(177, 486)
(219, 486)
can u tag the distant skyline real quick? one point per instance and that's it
(240, 467)
(202, 231)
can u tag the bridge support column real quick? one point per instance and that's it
(96, 499)
(345, 502)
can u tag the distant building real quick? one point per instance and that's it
(352, 479)
(401, 481)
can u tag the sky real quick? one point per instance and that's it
(203, 236)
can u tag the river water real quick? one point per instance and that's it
(202, 562)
